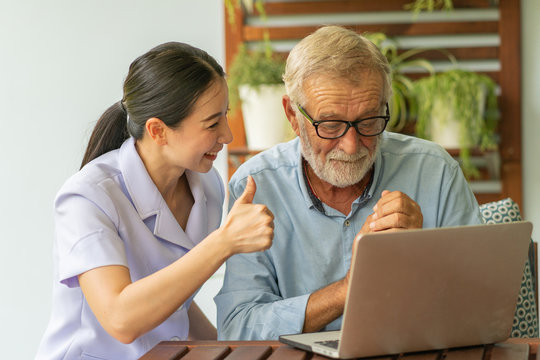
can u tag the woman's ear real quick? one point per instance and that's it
(156, 130)
(290, 113)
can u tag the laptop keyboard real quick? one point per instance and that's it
(329, 343)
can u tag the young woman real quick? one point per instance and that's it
(137, 227)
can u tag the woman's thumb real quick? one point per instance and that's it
(249, 192)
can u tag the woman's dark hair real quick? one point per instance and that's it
(164, 83)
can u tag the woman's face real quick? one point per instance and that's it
(195, 143)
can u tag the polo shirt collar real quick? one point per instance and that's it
(148, 201)
(312, 200)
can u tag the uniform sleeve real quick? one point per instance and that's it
(86, 236)
(249, 305)
(458, 205)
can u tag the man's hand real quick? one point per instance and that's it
(394, 211)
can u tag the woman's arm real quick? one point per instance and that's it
(126, 309)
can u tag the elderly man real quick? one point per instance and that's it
(341, 177)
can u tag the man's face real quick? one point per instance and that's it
(344, 161)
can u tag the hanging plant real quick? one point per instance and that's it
(403, 105)
(429, 5)
(466, 97)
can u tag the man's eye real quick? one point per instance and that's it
(368, 123)
(365, 125)
(332, 125)
(214, 125)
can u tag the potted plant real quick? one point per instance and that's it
(255, 82)
(458, 109)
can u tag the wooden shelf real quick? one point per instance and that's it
(505, 52)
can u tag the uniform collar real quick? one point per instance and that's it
(148, 201)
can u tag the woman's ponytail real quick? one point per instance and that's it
(108, 134)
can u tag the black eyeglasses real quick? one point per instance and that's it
(333, 129)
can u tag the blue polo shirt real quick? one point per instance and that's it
(265, 294)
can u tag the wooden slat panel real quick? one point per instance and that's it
(510, 80)
(533, 343)
(165, 352)
(236, 123)
(333, 7)
(233, 39)
(250, 353)
(288, 353)
(256, 33)
(207, 353)
(465, 354)
(483, 198)
(508, 53)
(512, 349)
(320, 357)
(510, 352)
(463, 53)
(417, 75)
(510, 101)
(511, 180)
(233, 35)
(432, 355)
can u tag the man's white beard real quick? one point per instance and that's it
(339, 169)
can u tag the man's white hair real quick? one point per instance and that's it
(338, 52)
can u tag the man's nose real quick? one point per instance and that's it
(350, 142)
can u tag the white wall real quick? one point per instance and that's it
(62, 62)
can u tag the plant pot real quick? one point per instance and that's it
(264, 118)
(448, 131)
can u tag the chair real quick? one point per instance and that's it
(526, 317)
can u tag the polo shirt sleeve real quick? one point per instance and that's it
(250, 305)
(86, 235)
(458, 205)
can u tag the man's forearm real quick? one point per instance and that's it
(250, 319)
(325, 305)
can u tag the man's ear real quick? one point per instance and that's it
(290, 113)
(156, 130)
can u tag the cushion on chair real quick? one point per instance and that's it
(525, 319)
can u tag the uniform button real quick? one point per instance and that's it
(175, 338)
(347, 223)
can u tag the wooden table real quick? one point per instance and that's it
(273, 350)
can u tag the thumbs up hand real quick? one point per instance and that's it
(248, 227)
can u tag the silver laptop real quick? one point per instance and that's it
(428, 289)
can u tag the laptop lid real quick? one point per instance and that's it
(427, 289)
